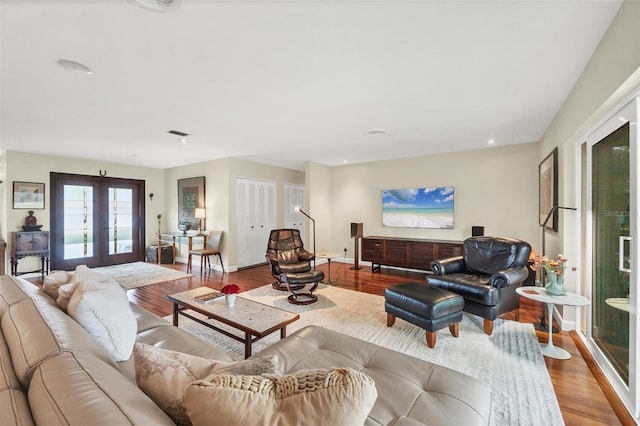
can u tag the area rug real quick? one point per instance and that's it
(509, 360)
(140, 274)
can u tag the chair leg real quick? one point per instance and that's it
(430, 337)
(202, 260)
(455, 329)
(391, 319)
(221, 264)
(488, 326)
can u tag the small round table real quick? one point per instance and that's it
(540, 294)
(328, 256)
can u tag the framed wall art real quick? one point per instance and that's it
(548, 183)
(191, 196)
(418, 207)
(28, 195)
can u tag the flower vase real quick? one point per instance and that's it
(556, 285)
(230, 299)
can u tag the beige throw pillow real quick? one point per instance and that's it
(81, 274)
(54, 280)
(163, 374)
(339, 396)
(102, 308)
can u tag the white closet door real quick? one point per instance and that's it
(294, 197)
(255, 219)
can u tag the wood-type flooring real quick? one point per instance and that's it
(583, 401)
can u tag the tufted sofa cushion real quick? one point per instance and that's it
(407, 386)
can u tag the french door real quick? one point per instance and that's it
(256, 217)
(611, 237)
(96, 221)
(294, 198)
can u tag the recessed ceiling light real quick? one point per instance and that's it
(132, 155)
(71, 65)
(345, 161)
(157, 5)
(376, 132)
(492, 141)
(183, 141)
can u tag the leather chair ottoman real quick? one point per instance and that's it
(428, 307)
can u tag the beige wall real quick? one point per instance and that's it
(494, 187)
(611, 75)
(19, 166)
(220, 184)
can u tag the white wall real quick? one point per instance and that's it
(20, 166)
(495, 187)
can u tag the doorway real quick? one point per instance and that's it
(96, 221)
(611, 248)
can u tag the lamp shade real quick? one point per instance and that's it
(200, 213)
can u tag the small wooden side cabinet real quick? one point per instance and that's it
(407, 253)
(25, 244)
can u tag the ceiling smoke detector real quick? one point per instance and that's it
(157, 5)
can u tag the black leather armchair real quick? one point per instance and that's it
(486, 276)
(290, 264)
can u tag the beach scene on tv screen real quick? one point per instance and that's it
(418, 207)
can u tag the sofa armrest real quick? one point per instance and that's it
(513, 276)
(450, 265)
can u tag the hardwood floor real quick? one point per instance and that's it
(582, 400)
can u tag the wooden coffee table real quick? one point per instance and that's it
(256, 320)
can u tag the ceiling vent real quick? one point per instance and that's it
(178, 133)
(157, 5)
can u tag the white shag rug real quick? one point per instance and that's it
(509, 360)
(140, 274)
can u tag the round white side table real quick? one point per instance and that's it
(570, 299)
(328, 256)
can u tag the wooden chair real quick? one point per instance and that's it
(212, 248)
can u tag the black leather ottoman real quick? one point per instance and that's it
(428, 307)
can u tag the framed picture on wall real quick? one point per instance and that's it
(548, 183)
(28, 195)
(191, 196)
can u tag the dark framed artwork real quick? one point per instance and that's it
(548, 183)
(191, 196)
(28, 195)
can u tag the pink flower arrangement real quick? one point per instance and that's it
(230, 289)
(556, 267)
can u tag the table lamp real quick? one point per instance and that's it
(200, 214)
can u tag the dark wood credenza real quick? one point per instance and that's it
(413, 253)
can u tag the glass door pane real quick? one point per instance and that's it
(611, 246)
(78, 221)
(120, 220)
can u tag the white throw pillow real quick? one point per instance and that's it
(81, 274)
(102, 308)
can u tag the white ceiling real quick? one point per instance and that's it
(283, 82)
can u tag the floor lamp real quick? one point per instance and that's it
(543, 323)
(314, 234)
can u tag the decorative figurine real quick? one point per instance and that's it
(31, 223)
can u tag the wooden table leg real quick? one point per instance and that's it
(175, 314)
(247, 345)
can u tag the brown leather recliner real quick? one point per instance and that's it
(290, 264)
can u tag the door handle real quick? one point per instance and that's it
(621, 252)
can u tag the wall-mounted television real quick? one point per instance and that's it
(418, 207)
